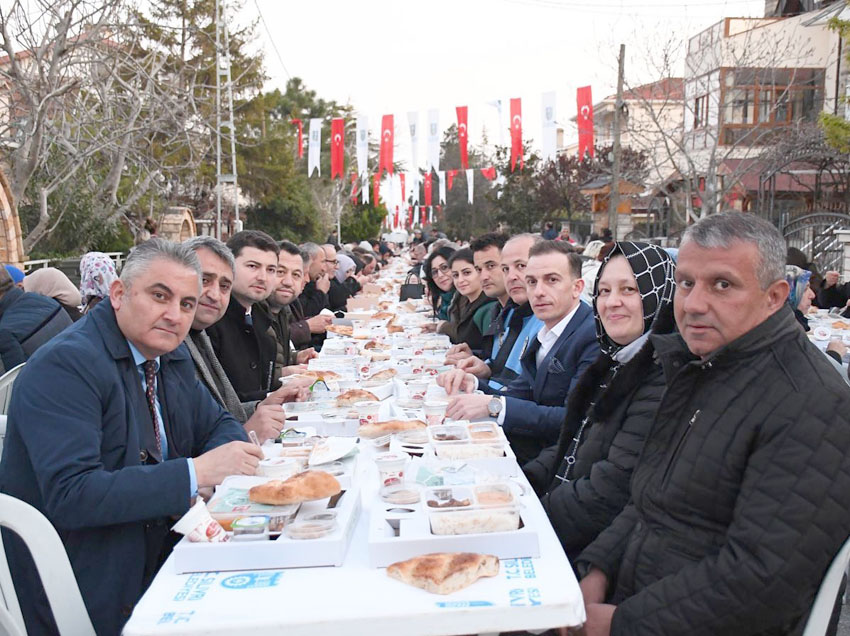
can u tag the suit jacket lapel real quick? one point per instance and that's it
(555, 351)
(203, 370)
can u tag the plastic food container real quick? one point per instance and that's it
(279, 467)
(435, 412)
(416, 389)
(313, 526)
(447, 434)
(458, 510)
(457, 452)
(391, 467)
(251, 528)
(400, 494)
(367, 411)
(417, 437)
(484, 432)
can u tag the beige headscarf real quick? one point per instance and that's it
(51, 282)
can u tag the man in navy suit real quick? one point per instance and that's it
(533, 407)
(110, 435)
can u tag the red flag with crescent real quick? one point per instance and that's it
(489, 173)
(395, 221)
(353, 188)
(403, 191)
(428, 189)
(337, 156)
(410, 216)
(462, 136)
(450, 177)
(584, 119)
(387, 132)
(376, 189)
(516, 133)
(297, 122)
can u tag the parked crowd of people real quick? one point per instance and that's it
(687, 440)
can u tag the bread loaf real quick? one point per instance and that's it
(306, 486)
(444, 572)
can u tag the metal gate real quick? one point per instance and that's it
(813, 234)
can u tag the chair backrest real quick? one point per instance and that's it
(827, 593)
(54, 569)
(6, 382)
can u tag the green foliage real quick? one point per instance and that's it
(362, 222)
(836, 129)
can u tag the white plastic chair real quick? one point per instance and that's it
(6, 382)
(53, 567)
(827, 593)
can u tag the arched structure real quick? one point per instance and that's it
(177, 224)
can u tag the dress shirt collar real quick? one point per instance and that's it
(548, 336)
(138, 358)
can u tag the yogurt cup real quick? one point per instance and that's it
(391, 468)
(280, 467)
(435, 412)
(199, 526)
(367, 411)
(416, 389)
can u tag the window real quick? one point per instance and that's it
(701, 111)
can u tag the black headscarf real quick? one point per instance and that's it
(653, 269)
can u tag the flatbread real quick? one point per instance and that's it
(383, 315)
(386, 374)
(342, 330)
(321, 375)
(379, 356)
(306, 486)
(352, 396)
(395, 329)
(444, 572)
(374, 344)
(371, 431)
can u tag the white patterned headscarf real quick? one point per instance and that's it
(653, 269)
(97, 273)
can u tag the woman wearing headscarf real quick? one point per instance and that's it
(583, 481)
(97, 273)
(51, 282)
(800, 294)
(339, 293)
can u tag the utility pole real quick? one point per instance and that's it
(222, 72)
(614, 197)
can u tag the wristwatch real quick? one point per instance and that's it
(494, 407)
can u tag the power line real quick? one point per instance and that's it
(271, 40)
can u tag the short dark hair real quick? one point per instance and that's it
(491, 239)
(252, 238)
(558, 247)
(464, 255)
(289, 247)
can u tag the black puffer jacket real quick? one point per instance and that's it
(741, 497)
(618, 420)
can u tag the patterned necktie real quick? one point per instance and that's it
(150, 393)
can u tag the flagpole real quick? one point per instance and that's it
(614, 196)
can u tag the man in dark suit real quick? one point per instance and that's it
(116, 444)
(243, 339)
(533, 407)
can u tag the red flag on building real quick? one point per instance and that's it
(297, 122)
(450, 177)
(337, 156)
(353, 188)
(489, 173)
(584, 120)
(376, 189)
(387, 132)
(428, 188)
(516, 133)
(462, 136)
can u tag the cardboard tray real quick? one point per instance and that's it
(282, 552)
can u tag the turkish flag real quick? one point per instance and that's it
(489, 173)
(387, 132)
(410, 216)
(337, 156)
(395, 221)
(428, 189)
(462, 137)
(376, 189)
(403, 191)
(516, 133)
(353, 188)
(450, 177)
(297, 122)
(584, 119)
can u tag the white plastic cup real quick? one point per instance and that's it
(367, 412)
(199, 526)
(391, 467)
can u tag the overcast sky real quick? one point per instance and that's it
(395, 56)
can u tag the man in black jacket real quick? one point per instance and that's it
(741, 498)
(244, 340)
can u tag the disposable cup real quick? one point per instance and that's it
(199, 526)
(367, 412)
(435, 412)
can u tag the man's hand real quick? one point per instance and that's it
(293, 369)
(599, 617)
(323, 283)
(267, 421)
(319, 324)
(831, 278)
(457, 380)
(468, 407)
(594, 586)
(458, 352)
(303, 357)
(429, 327)
(293, 391)
(475, 366)
(838, 346)
(233, 458)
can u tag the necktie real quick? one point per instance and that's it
(249, 321)
(150, 393)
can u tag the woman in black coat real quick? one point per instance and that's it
(583, 482)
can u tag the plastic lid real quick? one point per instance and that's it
(314, 526)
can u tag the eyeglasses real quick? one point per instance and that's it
(332, 262)
(440, 269)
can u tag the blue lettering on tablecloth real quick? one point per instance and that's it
(464, 604)
(250, 580)
(519, 568)
(196, 586)
(175, 618)
(520, 597)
